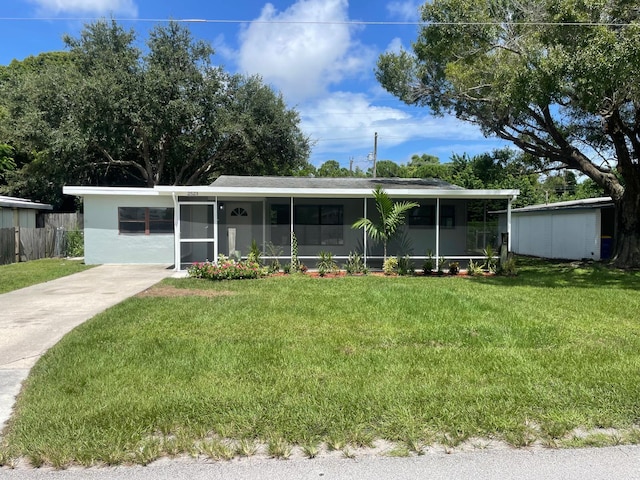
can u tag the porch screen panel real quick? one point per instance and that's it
(280, 223)
(196, 252)
(319, 224)
(196, 221)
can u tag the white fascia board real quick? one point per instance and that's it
(258, 192)
(208, 190)
(130, 191)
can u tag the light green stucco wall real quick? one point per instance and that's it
(104, 244)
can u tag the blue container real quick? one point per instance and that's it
(606, 245)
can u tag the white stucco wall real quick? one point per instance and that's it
(570, 234)
(104, 244)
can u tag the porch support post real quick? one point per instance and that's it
(291, 232)
(215, 231)
(364, 234)
(176, 233)
(437, 231)
(264, 224)
(509, 224)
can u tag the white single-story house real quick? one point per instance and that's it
(180, 225)
(20, 212)
(572, 230)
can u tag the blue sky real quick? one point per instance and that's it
(313, 51)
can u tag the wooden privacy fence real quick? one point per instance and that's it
(68, 221)
(33, 243)
(7, 246)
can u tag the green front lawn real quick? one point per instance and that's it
(299, 360)
(24, 274)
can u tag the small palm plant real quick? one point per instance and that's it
(392, 217)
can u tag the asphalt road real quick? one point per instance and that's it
(621, 462)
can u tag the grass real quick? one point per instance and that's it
(24, 274)
(294, 361)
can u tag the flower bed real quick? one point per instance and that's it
(227, 269)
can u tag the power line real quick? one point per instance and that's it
(321, 22)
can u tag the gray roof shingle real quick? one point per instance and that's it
(322, 182)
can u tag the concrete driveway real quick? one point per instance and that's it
(35, 318)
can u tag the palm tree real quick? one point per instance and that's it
(392, 217)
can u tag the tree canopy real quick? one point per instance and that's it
(110, 113)
(558, 79)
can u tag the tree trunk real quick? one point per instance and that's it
(626, 252)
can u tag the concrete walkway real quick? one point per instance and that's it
(35, 318)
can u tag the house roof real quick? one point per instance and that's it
(14, 202)
(348, 183)
(304, 187)
(585, 203)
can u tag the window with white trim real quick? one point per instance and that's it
(145, 220)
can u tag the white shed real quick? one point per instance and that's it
(20, 212)
(574, 230)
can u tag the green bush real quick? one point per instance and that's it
(74, 243)
(390, 266)
(326, 263)
(405, 266)
(355, 264)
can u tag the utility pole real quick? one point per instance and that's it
(375, 153)
(351, 165)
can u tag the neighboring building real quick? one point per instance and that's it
(19, 212)
(572, 230)
(183, 225)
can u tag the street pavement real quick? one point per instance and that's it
(611, 463)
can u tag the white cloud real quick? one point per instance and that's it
(126, 7)
(406, 11)
(306, 50)
(344, 124)
(395, 46)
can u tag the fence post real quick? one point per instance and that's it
(17, 246)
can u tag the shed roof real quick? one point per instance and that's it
(14, 202)
(585, 203)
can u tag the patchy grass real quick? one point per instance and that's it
(295, 361)
(20, 275)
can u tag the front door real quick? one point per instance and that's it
(239, 235)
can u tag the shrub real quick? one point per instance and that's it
(441, 262)
(508, 268)
(326, 263)
(254, 253)
(274, 252)
(390, 266)
(489, 254)
(226, 269)
(454, 268)
(74, 243)
(405, 266)
(429, 263)
(474, 268)
(295, 262)
(355, 264)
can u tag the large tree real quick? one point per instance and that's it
(558, 79)
(109, 113)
